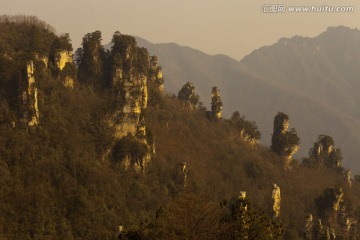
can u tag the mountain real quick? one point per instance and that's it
(96, 150)
(314, 80)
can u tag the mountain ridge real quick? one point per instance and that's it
(292, 75)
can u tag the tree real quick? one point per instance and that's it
(187, 94)
(92, 56)
(246, 128)
(241, 222)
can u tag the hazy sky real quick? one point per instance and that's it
(231, 27)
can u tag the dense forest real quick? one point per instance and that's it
(92, 147)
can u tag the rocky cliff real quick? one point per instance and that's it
(29, 98)
(132, 70)
(333, 220)
(216, 104)
(284, 142)
(324, 153)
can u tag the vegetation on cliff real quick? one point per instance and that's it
(65, 179)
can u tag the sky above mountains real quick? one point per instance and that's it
(231, 27)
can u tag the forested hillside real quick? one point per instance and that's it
(95, 149)
(314, 80)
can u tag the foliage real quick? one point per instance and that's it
(91, 58)
(187, 94)
(216, 103)
(284, 143)
(129, 147)
(243, 223)
(57, 182)
(323, 153)
(245, 127)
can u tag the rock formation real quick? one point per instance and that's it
(242, 195)
(276, 201)
(156, 75)
(129, 83)
(216, 104)
(331, 209)
(248, 131)
(62, 58)
(284, 142)
(181, 175)
(188, 96)
(324, 153)
(347, 177)
(248, 138)
(29, 98)
(308, 232)
(346, 222)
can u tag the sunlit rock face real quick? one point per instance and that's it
(248, 139)
(284, 142)
(29, 98)
(216, 104)
(155, 74)
(133, 70)
(62, 58)
(325, 153)
(276, 200)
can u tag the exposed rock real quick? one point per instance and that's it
(332, 234)
(284, 142)
(129, 83)
(347, 223)
(188, 96)
(44, 59)
(308, 227)
(62, 58)
(324, 153)
(281, 124)
(181, 174)
(242, 195)
(155, 74)
(216, 104)
(249, 139)
(69, 82)
(347, 177)
(128, 119)
(276, 200)
(247, 130)
(338, 195)
(29, 98)
(318, 229)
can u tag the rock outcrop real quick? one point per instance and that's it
(156, 75)
(323, 153)
(331, 211)
(188, 96)
(347, 177)
(29, 98)
(247, 130)
(181, 175)
(216, 104)
(284, 142)
(62, 58)
(308, 230)
(276, 201)
(130, 75)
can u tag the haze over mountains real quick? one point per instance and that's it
(314, 80)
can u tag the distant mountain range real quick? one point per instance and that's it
(316, 81)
